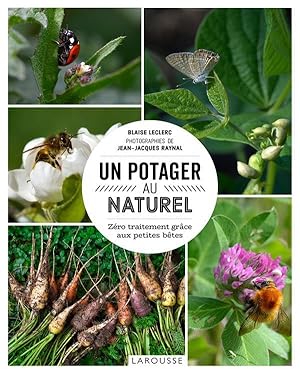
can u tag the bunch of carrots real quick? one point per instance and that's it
(63, 318)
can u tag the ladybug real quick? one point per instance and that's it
(68, 47)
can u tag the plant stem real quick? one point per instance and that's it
(271, 176)
(254, 187)
(236, 128)
(282, 97)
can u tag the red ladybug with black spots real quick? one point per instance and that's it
(68, 47)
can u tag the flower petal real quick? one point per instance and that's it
(47, 182)
(31, 144)
(74, 162)
(19, 186)
(113, 128)
(85, 136)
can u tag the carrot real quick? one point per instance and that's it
(53, 288)
(104, 337)
(151, 286)
(87, 337)
(39, 294)
(88, 313)
(69, 293)
(17, 288)
(124, 310)
(168, 297)
(64, 278)
(82, 304)
(139, 302)
(181, 292)
(151, 269)
(57, 325)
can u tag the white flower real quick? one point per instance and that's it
(92, 140)
(41, 181)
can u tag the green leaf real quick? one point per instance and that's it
(103, 52)
(202, 129)
(78, 93)
(259, 229)
(200, 247)
(275, 342)
(179, 103)
(230, 209)
(238, 36)
(22, 15)
(44, 60)
(249, 349)
(205, 312)
(16, 42)
(277, 48)
(71, 209)
(227, 231)
(204, 248)
(278, 247)
(217, 96)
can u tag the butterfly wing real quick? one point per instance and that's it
(251, 322)
(183, 62)
(204, 61)
(282, 323)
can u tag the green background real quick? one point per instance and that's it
(29, 123)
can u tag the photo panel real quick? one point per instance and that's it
(77, 299)
(225, 76)
(74, 56)
(47, 158)
(239, 304)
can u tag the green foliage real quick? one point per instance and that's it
(227, 231)
(238, 36)
(20, 245)
(180, 103)
(243, 350)
(217, 96)
(109, 355)
(44, 60)
(259, 229)
(71, 209)
(205, 312)
(16, 41)
(105, 51)
(277, 48)
(21, 15)
(275, 342)
(201, 350)
(262, 225)
(251, 86)
(144, 322)
(178, 342)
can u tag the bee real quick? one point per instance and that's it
(52, 148)
(265, 306)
